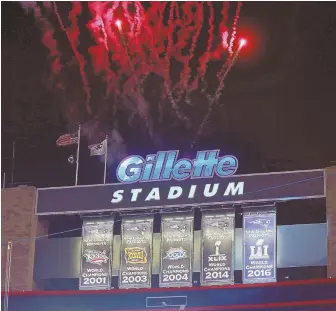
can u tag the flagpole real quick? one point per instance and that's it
(77, 157)
(13, 163)
(105, 166)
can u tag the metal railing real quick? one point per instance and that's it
(8, 272)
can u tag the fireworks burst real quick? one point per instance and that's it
(145, 61)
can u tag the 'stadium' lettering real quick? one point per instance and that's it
(175, 192)
(165, 166)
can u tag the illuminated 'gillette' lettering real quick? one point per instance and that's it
(165, 166)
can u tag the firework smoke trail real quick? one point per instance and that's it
(213, 100)
(161, 39)
(47, 37)
(129, 18)
(155, 14)
(167, 56)
(185, 76)
(135, 94)
(80, 59)
(108, 19)
(157, 64)
(234, 27)
(232, 58)
(222, 27)
(228, 64)
(167, 63)
(73, 30)
(139, 14)
(180, 44)
(97, 10)
(111, 76)
(170, 42)
(225, 36)
(224, 70)
(205, 58)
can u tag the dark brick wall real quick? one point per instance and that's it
(18, 223)
(331, 219)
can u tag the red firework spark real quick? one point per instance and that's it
(133, 40)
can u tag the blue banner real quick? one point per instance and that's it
(259, 252)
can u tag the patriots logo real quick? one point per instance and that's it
(181, 228)
(98, 149)
(265, 223)
(141, 230)
(220, 225)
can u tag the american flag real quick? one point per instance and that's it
(67, 139)
(98, 149)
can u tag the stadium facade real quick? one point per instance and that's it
(173, 234)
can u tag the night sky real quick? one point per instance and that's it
(279, 98)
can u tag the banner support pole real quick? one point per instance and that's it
(8, 271)
(13, 163)
(105, 164)
(77, 156)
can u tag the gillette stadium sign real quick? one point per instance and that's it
(164, 180)
(165, 166)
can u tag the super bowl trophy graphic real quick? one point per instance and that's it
(259, 251)
(217, 244)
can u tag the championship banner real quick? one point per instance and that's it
(177, 239)
(136, 252)
(217, 247)
(97, 237)
(259, 251)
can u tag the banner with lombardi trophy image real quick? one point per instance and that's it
(259, 251)
(136, 252)
(217, 247)
(97, 237)
(177, 240)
